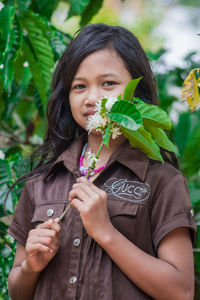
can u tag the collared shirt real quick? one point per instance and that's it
(146, 200)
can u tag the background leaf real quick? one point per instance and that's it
(8, 43)
(77, 7)
(90, 11)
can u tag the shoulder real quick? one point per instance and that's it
(162, 171)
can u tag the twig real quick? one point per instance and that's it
(58, 220)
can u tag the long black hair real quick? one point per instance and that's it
(61, 126)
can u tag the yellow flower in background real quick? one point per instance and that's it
(190, 89)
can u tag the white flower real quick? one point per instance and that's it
(109, 103)
(115, 132)
(2, 155)
(96, 121)
(98, 106)
(91, 158)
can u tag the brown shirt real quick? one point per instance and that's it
(146, 200)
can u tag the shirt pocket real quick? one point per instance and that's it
(123, 216)
(46, 211)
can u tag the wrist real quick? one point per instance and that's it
(26, 268)
(106, 237)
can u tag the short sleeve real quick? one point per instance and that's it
(172, 209)
(21, 222)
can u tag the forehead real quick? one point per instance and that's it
(101, 61)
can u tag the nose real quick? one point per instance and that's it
(92, 96)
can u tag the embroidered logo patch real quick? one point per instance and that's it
(129, 190)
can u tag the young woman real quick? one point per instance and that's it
(128, 234)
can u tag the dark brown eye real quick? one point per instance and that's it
(79, 87)
(109, 83)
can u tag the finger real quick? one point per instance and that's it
(44, 232)
(50, 224)
(79, 193)
(91, 191)
(90, 184)
(88, 188)
(83, 179)
(45, 240)
(33, 249)
(79, 205)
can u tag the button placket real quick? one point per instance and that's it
(75, 256)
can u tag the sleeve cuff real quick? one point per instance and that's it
(181, 220)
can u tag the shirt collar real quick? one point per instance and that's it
(125, 154)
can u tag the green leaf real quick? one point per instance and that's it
(77, 7)
(36, 73)
(191, 153)
(153, 114)
(106, 135)
(126, 114)
(21, 166)
(90, 11)
(5, 172)
(6, 26)
(9, 203)
(103, 106)
(57, 39)
(119, 97)
(10, 43)
(184, 128)
(155, 55)
(130, 89)
(38, 104)
(46, 7)
(194, 195)
(160, 137)
(23, 4)
(41, 46)
(142, 139)
(17, 94)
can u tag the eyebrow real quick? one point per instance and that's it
(103, 76)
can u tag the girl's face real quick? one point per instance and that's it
(102, 73)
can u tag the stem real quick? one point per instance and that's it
(58, 220)
(94, 163)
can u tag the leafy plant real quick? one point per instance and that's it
(29, 49)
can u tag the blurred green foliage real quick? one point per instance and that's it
(29, 48)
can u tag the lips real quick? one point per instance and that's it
(89, 113)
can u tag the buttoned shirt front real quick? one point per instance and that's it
(146, 200)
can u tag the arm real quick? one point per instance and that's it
(42, 244)
(170, 276)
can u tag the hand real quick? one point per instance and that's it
(91, 202)
(41, 246)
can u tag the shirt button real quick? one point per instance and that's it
(192, 212)
(77, 242)
(50, 212)
(73, 280)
